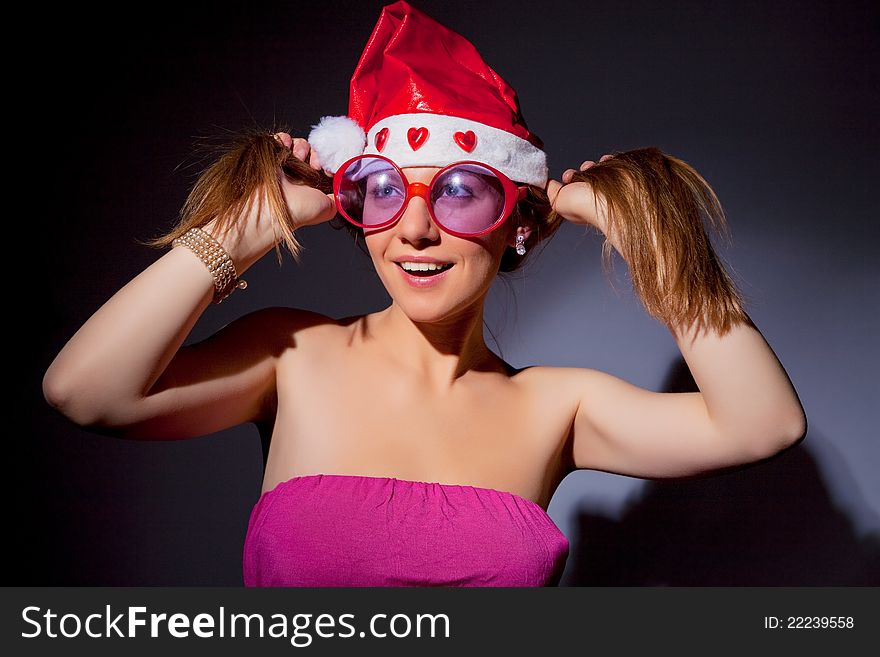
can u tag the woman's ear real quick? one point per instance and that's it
(524, 230)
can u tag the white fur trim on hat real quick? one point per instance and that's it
(336, 139)
(515, 157)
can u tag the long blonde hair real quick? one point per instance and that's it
(660, 211)
(246, 172)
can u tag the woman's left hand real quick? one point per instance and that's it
(576, 202)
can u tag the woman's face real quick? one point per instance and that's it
(475, 260)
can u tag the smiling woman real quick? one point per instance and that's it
(426, 478)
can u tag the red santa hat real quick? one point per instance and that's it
(421, 95)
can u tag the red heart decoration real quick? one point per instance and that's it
(467, 140)
(381, 138)
(417, 137)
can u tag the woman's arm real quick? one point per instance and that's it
(746, 408)
(124, 371)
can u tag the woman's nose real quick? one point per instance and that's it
(416, 223)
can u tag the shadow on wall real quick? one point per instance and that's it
(771, 524)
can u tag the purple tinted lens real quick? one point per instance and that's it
(372, 191)
(468, 198)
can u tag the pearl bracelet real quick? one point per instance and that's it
(216, 259)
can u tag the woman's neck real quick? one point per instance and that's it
(438, 352)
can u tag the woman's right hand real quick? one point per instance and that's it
(250, 239)
(308, 206)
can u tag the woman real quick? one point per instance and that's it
(439, 466)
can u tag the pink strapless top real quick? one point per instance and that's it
(352, 530)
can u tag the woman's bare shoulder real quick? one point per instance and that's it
(538, 373)
(553, 383)
(287, 326)
(297, 330)
(528, 374)
(552, 372)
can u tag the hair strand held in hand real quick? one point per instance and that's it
(656, 205)
(244, 177)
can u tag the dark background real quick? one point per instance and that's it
(775, 103)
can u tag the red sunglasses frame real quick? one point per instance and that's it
(512, 195)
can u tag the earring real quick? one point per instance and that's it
(520, 249)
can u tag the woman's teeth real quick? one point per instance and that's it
(423, 268)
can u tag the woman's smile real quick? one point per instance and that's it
(423, 275)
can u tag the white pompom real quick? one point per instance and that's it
(336, 139)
